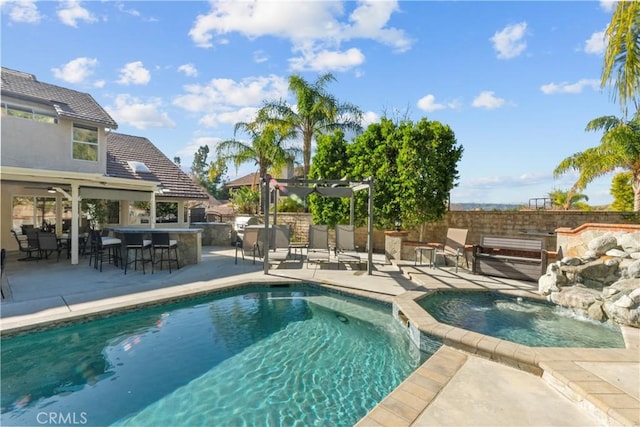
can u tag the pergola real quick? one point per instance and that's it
(324, 187)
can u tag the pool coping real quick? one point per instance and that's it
(559, 367)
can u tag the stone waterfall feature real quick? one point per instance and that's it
(603, 283)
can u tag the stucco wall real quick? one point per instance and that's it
(28, 144)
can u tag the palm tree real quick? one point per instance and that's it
(316, 112)
(623, 54)
(566, 200)
(265, 146)
(619, 148)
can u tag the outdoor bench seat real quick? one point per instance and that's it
(510, 257)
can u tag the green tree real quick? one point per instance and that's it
(245, 200)
(622, 192)
(207, 174)
(622, 56)
(265, 147)
(619, 148)
(414, 167)
(565, 200)
(316, 112)
(330, 161)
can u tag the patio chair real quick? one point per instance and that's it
(48, 244)
(24, 246)
(100, 251)
(135, 242)
(318, 249)
(279, 244)
(454, 246)
(346, 250)
(249, 243)
(161, 242)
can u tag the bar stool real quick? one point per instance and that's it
(161, 242)
(104, 247)
(134, 242)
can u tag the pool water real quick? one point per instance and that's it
(262, 357)
(523, 321)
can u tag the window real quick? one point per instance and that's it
(28, 113)
(85, 143)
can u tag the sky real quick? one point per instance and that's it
(516, 81)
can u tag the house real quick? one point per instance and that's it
(60, 144)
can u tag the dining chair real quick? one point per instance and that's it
(48, 244)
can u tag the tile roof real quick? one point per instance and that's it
(124, 148)
(244, 181)
(66, 102)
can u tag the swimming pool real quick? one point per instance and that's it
(252, 357)
(520, 320)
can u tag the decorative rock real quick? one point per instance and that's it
(629, 242)
(600, 245)
(635, 255)
(547, 284)
(633, 270)
(596, 312)
(589, 256)
(611, 262)
(624, 302)
(617, 253)
(575, 297)
(571, 261)
(624, 306)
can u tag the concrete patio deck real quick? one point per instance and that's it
(454, 387)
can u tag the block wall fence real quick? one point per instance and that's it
(533, 224)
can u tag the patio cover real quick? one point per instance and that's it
(75, 185)
(324, 187)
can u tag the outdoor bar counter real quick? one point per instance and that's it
(189, 240)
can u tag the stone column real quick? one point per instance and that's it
(393, 243)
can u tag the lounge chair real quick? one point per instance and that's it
(279, 245)
(249, 243)
(345, 250)
(453, 246)
(318, 249)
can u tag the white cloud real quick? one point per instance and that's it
(596, 44)
(428, 103)
(325, 60)
(369, 117)
(317, 28)
(24, 11)
(508, 42)
(573, 88)
(608, 5)
(141, 115)
(134, 73)
(187, 152)
(189, 70)
(70, 12)
(76, 71)
(245, 114)
(220, 94)
(260, 56)
(121, 7)
(487, 100)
